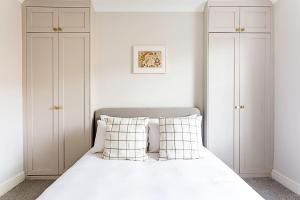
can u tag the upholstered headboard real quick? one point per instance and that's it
(142, 112)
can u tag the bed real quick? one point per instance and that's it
(95, 178)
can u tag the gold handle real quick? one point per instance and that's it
(57, 107)
(242, 29)
(59, 29)
(239, 107)
(237, 29)
(55, 29)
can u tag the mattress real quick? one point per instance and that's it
(94, 178)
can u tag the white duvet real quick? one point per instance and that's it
(203, 179)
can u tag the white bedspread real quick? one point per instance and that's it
(203, 179)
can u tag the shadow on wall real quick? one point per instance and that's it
(199, 65)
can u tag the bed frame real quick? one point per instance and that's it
(141, 112)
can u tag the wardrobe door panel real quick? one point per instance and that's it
(41, 19)
(254, 136)
(255, 19)
(223, 19)
(74, 19)
(42, 95)
(74, 97)
(223, 62)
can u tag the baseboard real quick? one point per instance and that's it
(286, 181)
(11, 183)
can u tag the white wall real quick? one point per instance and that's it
(113, 84)
(11, 135)
(287, 93)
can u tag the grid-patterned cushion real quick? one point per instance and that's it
(180, 138)
(125, 138)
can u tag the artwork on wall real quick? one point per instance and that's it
(149, 59)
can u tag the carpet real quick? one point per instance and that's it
(266, 187)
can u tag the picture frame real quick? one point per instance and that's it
(149, 60)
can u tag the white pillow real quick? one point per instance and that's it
(99, 140)
(180, 138)
(125, 138)
(154, 135)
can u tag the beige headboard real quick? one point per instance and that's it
(142, 112)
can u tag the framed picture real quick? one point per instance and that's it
(149, 60)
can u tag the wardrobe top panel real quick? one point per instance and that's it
(58, 3)
(240, 3)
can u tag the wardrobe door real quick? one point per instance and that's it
(224, 19)
(255, 19)
(74, 19)
(254, 134)
(73, 97)
(221, 114)
(42, 19)
(42, 96)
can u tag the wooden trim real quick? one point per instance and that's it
(286, 181)
(57, 3)
(10, 183)
(232, 3)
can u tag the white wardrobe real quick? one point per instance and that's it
(56, 74)
(239, 85)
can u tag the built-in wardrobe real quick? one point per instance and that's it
(56, 85)
(239, 87)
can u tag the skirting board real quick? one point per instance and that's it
(286, 181)
(11, 183)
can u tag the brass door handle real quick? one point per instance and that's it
(237, 29)
(57, 107)
(59, 29)
(242, 29)
(242, 107)
(55, 29)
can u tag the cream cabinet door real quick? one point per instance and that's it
(224, 19)
(221, 114)
(254, 135)
(41, 19)
(73, 97)
(74, 19)
(255, 19)
(42, 95)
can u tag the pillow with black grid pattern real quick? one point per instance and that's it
(180, 138)
(125, 138)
